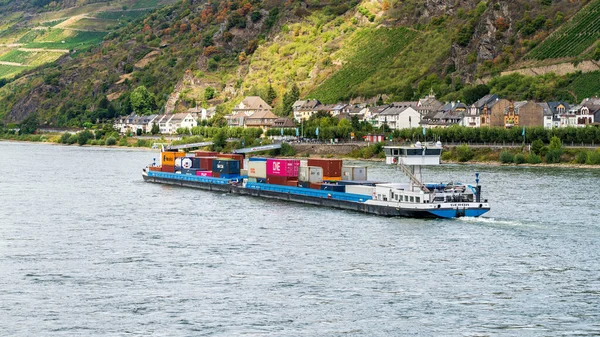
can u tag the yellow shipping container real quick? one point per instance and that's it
(168, 158)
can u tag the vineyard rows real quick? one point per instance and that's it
(371, 49)
(574, 37)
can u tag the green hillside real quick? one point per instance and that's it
(574, 37)
(213, 52)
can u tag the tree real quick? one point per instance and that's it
(220, 140)
(271, 95)
(84, 136)
(155, 129)
(472, 94)
(142, 101)
(289, 98)
(209, 93)
(29, 125)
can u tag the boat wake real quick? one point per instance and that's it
(494, 221)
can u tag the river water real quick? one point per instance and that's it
(87, 248)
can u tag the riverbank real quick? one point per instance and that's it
(366, 152)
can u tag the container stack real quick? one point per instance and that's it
(282, 171)
(257, 170)
(309, 175)
(225, 168)
(238, 157)
(205, 153)
(167, 160)
(332, 168)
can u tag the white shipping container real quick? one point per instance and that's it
(360, 189)
(312, 174)
(257, 169)
(356, 173)
(243, 172)
(303, 162)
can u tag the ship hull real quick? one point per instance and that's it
(362, 207)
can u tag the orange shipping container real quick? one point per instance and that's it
(154, 168)
(331, 167)
(168, 158)
(168, 168)
(325, 178)
(315, 186)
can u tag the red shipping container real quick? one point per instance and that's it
(205, 153)
(206, 163)
(216, 174)
(279, 180)
(238, 157)
(316, 186)
(283, 167)
(168, 168)
(204, 173)
(331, 167)
(293, 183)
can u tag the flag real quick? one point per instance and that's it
(281, 131)
(523, 133)
(297, 132)
(424, 131)
(317, 131)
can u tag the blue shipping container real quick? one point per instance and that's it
(226, 166)
(333, 187)
(304, 184)
(189, 171)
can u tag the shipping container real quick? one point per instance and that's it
(326, 178)
(304, 184)
(331, 167)
(293, 183)
(360, 189)
(189, 171)
(206, 163)
(354, 182)
(154, 168)
(204, 173)
(205, 153)
(354, 173)
(216, 175)
(313, 174)
(235, 156)
(261, 180)
(315, 186)
(283, 167)
(244, 173)
(279, 180)
(168, 158)
(189, 162)
(168, 168)
(303, 162)
(257, 169)
(252, 180)
(178, 162)
(257, 159)
(333, 187)
(226, 166)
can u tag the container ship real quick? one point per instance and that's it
(325, 182)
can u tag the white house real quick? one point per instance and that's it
(472, 118)
(400, 115)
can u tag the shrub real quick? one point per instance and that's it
(464, 153)
(287, 150)
(506, 157)
(536, 146)
(72, 139)
(593, 158)
(111, 141)
(553, 156)
(123, 141)
(64, 138)
(581, 157)
(519, 158)
(534, 159)
(84, 136)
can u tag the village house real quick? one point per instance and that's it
(262, 119)
(400, 116)
(588, 112)
(449, 114)
(471, 118)
(523, 114)
(133, 122)
(428, 106)
(492, 114)
(251, 107)
(372, 114)
(304, 109)
(181, 121)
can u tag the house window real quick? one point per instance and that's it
(483, 120)
(412, 199)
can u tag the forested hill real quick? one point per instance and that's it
(215, 52)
